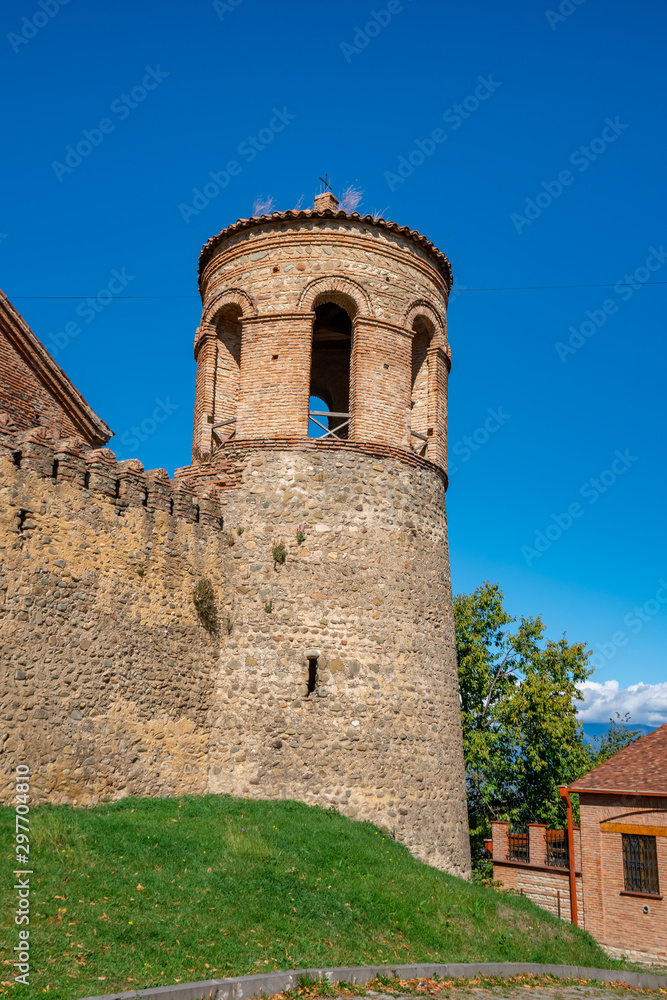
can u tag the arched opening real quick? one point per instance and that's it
(227, 373)
(330, 371)
(420, 425)
(318, 419)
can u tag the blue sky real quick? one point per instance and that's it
(546, 171)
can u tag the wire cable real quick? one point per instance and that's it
(501, 288)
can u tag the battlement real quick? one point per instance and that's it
(97, 472)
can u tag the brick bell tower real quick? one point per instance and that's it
(321, 411)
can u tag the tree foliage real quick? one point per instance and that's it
(521, 735)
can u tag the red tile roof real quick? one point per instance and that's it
(368, 220)
(639, 769)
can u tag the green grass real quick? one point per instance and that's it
(155, 891)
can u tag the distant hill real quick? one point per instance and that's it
(595, 729)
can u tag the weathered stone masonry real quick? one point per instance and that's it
(111, 685)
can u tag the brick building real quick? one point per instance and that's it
(619, 856)
(34, 390)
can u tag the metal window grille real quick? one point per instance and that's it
(557, 849)
(640, 864)
(518, 847)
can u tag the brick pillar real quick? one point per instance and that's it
(205, 355)
(537, 843)
(275, 376)
(380, 383)
(437, 447)
(500, 834)
(576, 832)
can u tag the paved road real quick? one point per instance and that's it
(513, 991)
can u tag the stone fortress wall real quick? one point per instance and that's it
(331, 678)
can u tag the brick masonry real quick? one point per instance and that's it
(34, 391)
(260, 287)
(110, 683)
(615, 918)
(547, 885)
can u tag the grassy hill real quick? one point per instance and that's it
(155, 891)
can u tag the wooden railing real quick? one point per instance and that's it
(329, 431)
(421, 449)
(225, 423)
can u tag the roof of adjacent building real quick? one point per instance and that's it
(22, 339)
(441, 261)
(639, 769)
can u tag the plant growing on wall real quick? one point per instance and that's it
(204, 602)
(300, 534)
(205, 457)
(279, 553)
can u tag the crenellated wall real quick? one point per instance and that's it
(330, 677)
(111, 685)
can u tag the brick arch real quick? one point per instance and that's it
(228, 297)
(426, 415)
(334, 285)
(218, 355)
(424, 308)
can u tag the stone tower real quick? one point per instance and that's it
(337, 680)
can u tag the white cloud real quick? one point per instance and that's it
(646, 703)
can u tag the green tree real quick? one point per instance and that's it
(521, 736)
(617, 736)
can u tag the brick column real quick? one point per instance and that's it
(500, 834)
(380, 383)
(275, 376)
(537, 843)
(437, 447)
(205, 356)
(577, 848)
